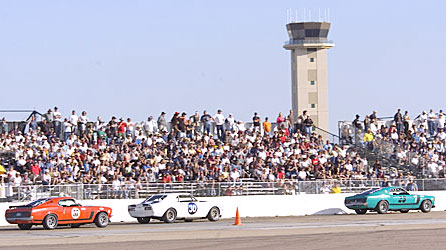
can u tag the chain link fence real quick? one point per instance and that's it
(206, 189)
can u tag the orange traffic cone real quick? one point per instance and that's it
(238, 221)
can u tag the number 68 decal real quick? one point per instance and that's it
(75, 213)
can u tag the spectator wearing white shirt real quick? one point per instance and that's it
(73, 120)
(83, 120)
(67, 129)
(230, 121)
(219, 119)
(149, 126)
(440, 121)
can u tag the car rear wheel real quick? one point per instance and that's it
(170, 215)
(25, 226)
(214, 214)
(404, 211)
(101, 219)
(382, 207)
(143, 220)
(50, 221)
(426, 206)
(361, 211)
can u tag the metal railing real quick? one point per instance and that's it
(297, 42)
(135, 191)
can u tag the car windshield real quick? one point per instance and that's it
(36, 202)
(370, 191)
(155, 198)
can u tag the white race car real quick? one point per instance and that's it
(172, 206)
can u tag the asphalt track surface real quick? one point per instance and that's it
(370, 231)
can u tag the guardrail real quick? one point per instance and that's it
(208, 189)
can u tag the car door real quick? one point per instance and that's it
(72, 211)
(187, 206)
(409, 200)
(396, 200)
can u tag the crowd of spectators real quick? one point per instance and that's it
(413, 143)
(199, 148)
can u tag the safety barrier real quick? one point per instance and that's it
(252, 206)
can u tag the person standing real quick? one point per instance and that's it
(73, 120)
(206, 121)
(292, 122)
(162, 123)
(267, 126)
(406, 120)
(149, 126)
(256, 122)
(219, 119)
(83, 121)
(431, 118)
(195, 123)
(308, 124)
(230, 121)
(57, 118)
(300, 121)
(357, 126)
(398, 119)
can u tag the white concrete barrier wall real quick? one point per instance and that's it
(252, 206)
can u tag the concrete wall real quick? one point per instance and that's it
(253, 206)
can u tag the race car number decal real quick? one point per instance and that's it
(192, 208)
(75, 213)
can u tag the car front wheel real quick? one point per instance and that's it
(143, 220)
(214, 214)
(101, 219)
(170, 215)
(361, 211)
(426, 206)
(25, 226)
(382, 207)
(50, 221)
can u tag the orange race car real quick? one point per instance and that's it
(51, 212)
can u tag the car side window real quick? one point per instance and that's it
(185, 198)
(67, 203)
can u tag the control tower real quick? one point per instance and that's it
(308, 45)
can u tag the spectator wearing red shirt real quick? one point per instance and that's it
(35, 169)
(122, 126)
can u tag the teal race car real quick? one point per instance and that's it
(387, 199)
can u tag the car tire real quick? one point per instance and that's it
(426, 206)
(77, 225)
(101, 219)
(214, 214)
(50, 222)
(25, 226)
(170, 215)
(143, 220)
(404, 211)
(382, 207)
(361, 211)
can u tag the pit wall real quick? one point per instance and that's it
(251, 206)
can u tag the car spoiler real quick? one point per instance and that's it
(23, 206)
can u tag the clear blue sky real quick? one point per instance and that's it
(138, 58)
